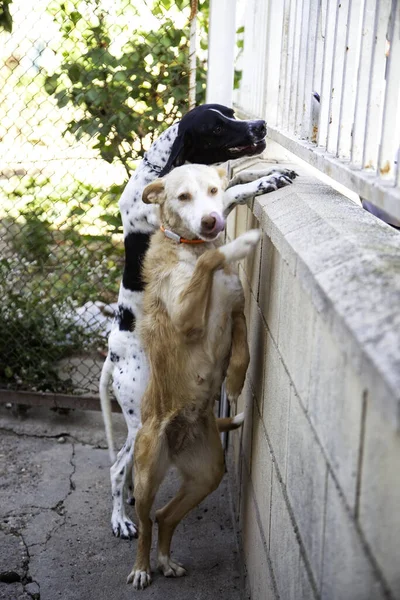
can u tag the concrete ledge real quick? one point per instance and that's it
(349, 263)
(320, 447)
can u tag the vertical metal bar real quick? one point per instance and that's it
(373, 127)
(389, 148)
(318, 68)
(294, 77)
(339, 51)
(364, 70)
(304, 37)
(223, 411)
(284, 63)
(349, 88)
(192, 54)
(275, 59)
(244, 90)
(304, 110)
(326, 89)
(262, 33)
(288, 75)
(320, 45)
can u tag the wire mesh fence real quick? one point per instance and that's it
(85, 87)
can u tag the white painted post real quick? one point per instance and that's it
(327, 69)
(364, 73)
(389, 148)
(221, 51)
(348, 89)
(192, 54)
(373, 126)
(339, 54)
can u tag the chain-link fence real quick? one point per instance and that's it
(85, 87)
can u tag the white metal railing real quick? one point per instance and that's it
(348, 52)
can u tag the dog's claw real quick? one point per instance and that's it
(139, 579)
(124, 529)
(170, 568)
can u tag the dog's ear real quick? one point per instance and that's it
(177, 154)
(154, 192)
(223, 176)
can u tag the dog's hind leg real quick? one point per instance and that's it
(151, 461)
(202, 468)
(121, 473)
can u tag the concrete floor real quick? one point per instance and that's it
(55, 536)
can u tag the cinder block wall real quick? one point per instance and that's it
(317, 464)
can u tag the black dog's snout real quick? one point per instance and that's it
(259, 128)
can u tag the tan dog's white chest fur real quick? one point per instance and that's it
(194, 333)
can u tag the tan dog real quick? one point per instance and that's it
(194, 333)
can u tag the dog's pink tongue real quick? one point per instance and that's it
(219, 223)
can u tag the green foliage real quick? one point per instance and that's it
(126, 96)
(5, 16)
(33, 240)
(60, 251)
(35, 331)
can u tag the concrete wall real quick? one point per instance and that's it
(317, 464)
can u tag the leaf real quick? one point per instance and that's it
(74, 73)
(51, 83)
(77, 210)
(111, 220)
(120, 76)
(75, 16)
(62, 98)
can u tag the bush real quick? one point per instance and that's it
(35, 332)
(125, 96)
(51, 265)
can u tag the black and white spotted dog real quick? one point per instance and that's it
(208, 134)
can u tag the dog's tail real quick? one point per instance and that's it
(229, 423)
(105, 403)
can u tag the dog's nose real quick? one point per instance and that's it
(260, 128)
(208, 223)
(212, 223)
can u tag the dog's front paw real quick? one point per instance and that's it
(274, 181)
(241, 247)
(286, 173)
(123, 528)
(140, 579)
(170, 568)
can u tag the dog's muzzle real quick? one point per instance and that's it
(212, 224)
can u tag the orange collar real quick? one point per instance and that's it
(177, 238)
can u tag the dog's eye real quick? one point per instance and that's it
(217, 129)
(184, 197)
(213, 191)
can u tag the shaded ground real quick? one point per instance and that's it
(55, 536)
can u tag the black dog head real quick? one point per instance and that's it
(210, 134)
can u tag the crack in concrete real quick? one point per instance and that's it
(27, 577)
(59, 508)
(53, 437)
